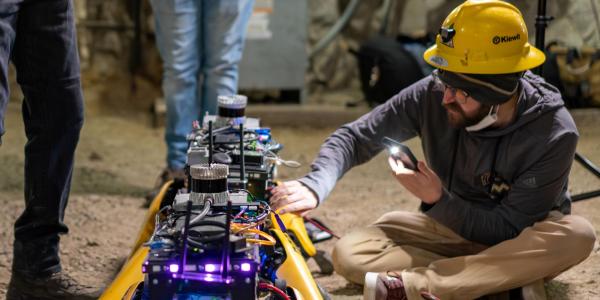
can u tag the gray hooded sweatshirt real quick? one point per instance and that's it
(531, 157)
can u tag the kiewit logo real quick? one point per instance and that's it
(506, 38)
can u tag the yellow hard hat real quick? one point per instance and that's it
(484, 37)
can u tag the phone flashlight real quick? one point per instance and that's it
(401, 152)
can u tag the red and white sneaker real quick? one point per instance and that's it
(388, 286)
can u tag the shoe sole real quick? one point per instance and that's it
(369, 289)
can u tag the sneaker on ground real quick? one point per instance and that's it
(388, 286)
(165, 175)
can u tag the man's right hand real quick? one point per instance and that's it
(292, 196)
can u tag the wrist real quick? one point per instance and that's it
(312, 195)
(433, 199)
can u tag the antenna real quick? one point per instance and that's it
(225, 255)
(210, 143)
(186, 228)
(242, 159)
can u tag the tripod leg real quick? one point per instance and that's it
(586, 163)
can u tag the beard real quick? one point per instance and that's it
(458, 118)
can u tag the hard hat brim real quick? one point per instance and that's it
(533, 58)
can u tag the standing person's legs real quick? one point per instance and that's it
(396, 241)
(177, 38)
(224, 25)
(47, 64)
(543, 250)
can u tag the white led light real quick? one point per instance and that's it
(210, 267)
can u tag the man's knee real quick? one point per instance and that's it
(581, 236)
(352, 250)
(400, 218)
(342, 256)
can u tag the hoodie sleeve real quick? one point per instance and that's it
(357, 142)
(534, 193)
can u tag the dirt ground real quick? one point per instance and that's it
(120, 155)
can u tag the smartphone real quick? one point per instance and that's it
(401, 152)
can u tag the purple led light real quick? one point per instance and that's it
(246, 267)
(202, 277)
(210, 267)
(174, 268)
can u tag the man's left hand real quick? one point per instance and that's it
(424, 184)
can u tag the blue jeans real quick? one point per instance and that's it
(39, 37)
(201, 43)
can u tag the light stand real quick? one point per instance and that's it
(541, 22)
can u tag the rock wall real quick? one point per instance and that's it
(124, 68)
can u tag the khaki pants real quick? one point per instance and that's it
(433, 258)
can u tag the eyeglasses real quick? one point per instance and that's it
(453, 91)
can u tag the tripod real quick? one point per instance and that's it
(541, 22)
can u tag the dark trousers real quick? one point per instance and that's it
(39, 37)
